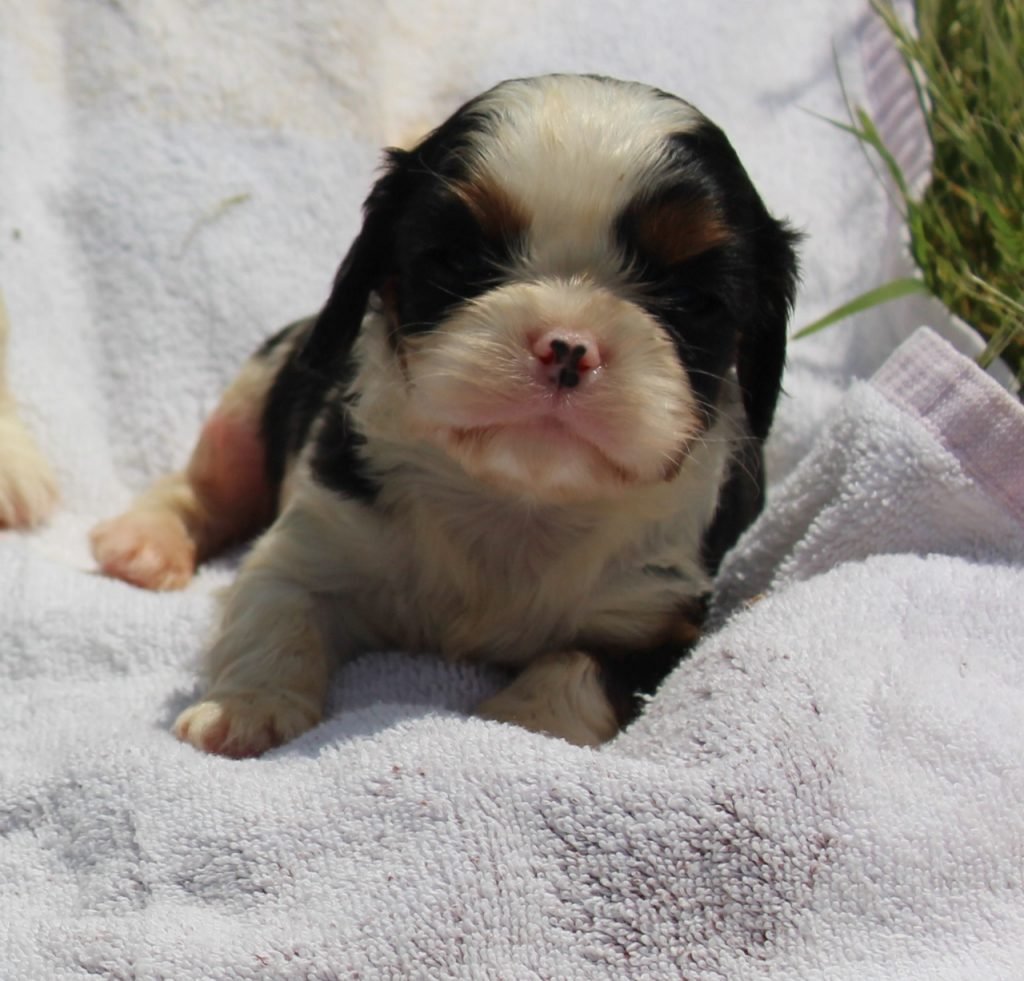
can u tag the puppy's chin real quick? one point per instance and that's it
(539, 461)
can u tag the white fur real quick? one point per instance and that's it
(472, 388)
(575, 151)
(28, 489)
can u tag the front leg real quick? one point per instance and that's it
(268, 667)
(560, 694)
(267, 671)
(586, 698)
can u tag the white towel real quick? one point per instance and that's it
(830, 787)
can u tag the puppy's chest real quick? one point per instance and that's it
(505, 585)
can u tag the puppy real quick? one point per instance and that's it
(524, 428)
(28, 490)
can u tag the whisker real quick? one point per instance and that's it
(443, 289)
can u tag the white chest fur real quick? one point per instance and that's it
(438, 565)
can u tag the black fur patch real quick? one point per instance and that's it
(336, 461)
(443, 258)
(759, 269)
(739, 503)
(728, 304)
(629, 677)
(693, 302)
(298, 395)
(373, 259)
(293, 333)
(416, 236)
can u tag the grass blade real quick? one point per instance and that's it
(865, 301)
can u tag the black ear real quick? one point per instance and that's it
(771, 261)
(369, 262)
(761, 352)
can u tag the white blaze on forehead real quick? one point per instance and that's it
(573, 152)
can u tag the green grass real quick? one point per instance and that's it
(967, 229)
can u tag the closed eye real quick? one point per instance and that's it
(448, 267)
(438, 279)
(676, 288)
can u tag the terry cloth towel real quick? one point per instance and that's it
(830, 787)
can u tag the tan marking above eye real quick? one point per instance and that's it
(497, 214)
(679, 229)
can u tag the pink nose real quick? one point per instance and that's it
(566, 355)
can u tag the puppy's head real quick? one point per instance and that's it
(567, 271)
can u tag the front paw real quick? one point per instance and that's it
(560, 695)
(245, 724)
(147, 549)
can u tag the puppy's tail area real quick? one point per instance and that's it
(28, 488)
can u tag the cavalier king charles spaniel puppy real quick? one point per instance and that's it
(28, 489)
(524, 428)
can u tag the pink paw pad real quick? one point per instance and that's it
(153, 551)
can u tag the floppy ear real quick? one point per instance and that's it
(761, 352)
(368, 263)
(761, 349)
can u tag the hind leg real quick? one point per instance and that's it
(223, 495)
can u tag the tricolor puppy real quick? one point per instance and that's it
(524, 428)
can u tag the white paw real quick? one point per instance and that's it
(245, 724)
(148, 549)
(28, 489)
(558, 695)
